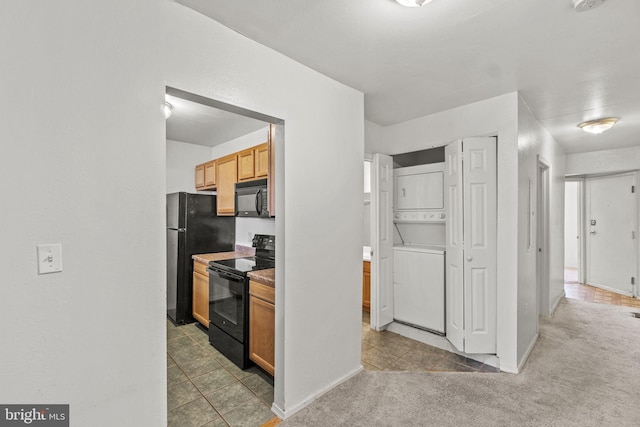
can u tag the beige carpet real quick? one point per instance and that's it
(584, 371)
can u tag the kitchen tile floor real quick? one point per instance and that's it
(205, 389)
(388, 351)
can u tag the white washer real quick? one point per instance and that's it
(418, 282)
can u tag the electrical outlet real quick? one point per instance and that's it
(49, 258)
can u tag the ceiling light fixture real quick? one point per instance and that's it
(599, 125)
(585, 5)
(413, 3)
(167, 109)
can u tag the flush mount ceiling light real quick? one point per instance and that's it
(167, 109)
(598, 125)
(585, 5)
(413, 3)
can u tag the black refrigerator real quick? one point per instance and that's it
(192, 228)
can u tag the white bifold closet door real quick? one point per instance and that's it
(470, 202)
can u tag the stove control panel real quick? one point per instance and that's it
(420, 216)
(264, 241)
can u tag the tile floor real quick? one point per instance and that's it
(574, 289)
(387, 351)
(205, 389)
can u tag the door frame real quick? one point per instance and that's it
(635, 291)
(543, 277)
(580, 211)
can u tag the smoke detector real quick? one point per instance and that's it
(585, 5)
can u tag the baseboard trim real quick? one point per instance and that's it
(528, 352)
(284, 414)
(556, 303)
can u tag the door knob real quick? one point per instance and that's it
(469, 258)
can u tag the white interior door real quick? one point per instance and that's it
(454, 270)
(471, 230)
(611, 224)
(382, 242)
(480, 240)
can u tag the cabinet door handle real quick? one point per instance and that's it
(469, 258)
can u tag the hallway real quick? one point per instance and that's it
(575, 290)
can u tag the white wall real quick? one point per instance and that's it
(605, 161)
(534, 141)
(181, 160)
(373, 142)
(82, 105)
(571, 224)
(495, 116)
(246, 141)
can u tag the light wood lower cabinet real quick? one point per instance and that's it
(262, 315)
(201, 293)
(366, 285)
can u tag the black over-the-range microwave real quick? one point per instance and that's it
(251, 198)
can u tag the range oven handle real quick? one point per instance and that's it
(226, 275)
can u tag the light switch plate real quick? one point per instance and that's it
(49, 258)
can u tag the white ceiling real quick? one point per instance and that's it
(201, 124)
(410, 62)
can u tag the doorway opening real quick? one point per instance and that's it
(200, 132)
(601, 243)
(406, 326)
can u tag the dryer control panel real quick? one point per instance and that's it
(419, 216)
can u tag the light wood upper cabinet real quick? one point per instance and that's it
(200, 176)
(246, 165)
(253, 163)
(227, 176)
(261, 155)
(210, 174)
(201, 293)
(206, 176)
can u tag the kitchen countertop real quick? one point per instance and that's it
(241, 251)
(266, 277)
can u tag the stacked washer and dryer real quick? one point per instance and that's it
(419, 247)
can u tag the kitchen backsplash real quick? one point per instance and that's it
(246, 228)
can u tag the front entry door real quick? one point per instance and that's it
(611, 207)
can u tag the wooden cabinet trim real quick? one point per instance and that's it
(200, 267)
(262, 291)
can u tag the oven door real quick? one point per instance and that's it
(227, 302)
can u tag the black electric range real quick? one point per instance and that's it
(229, 299)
